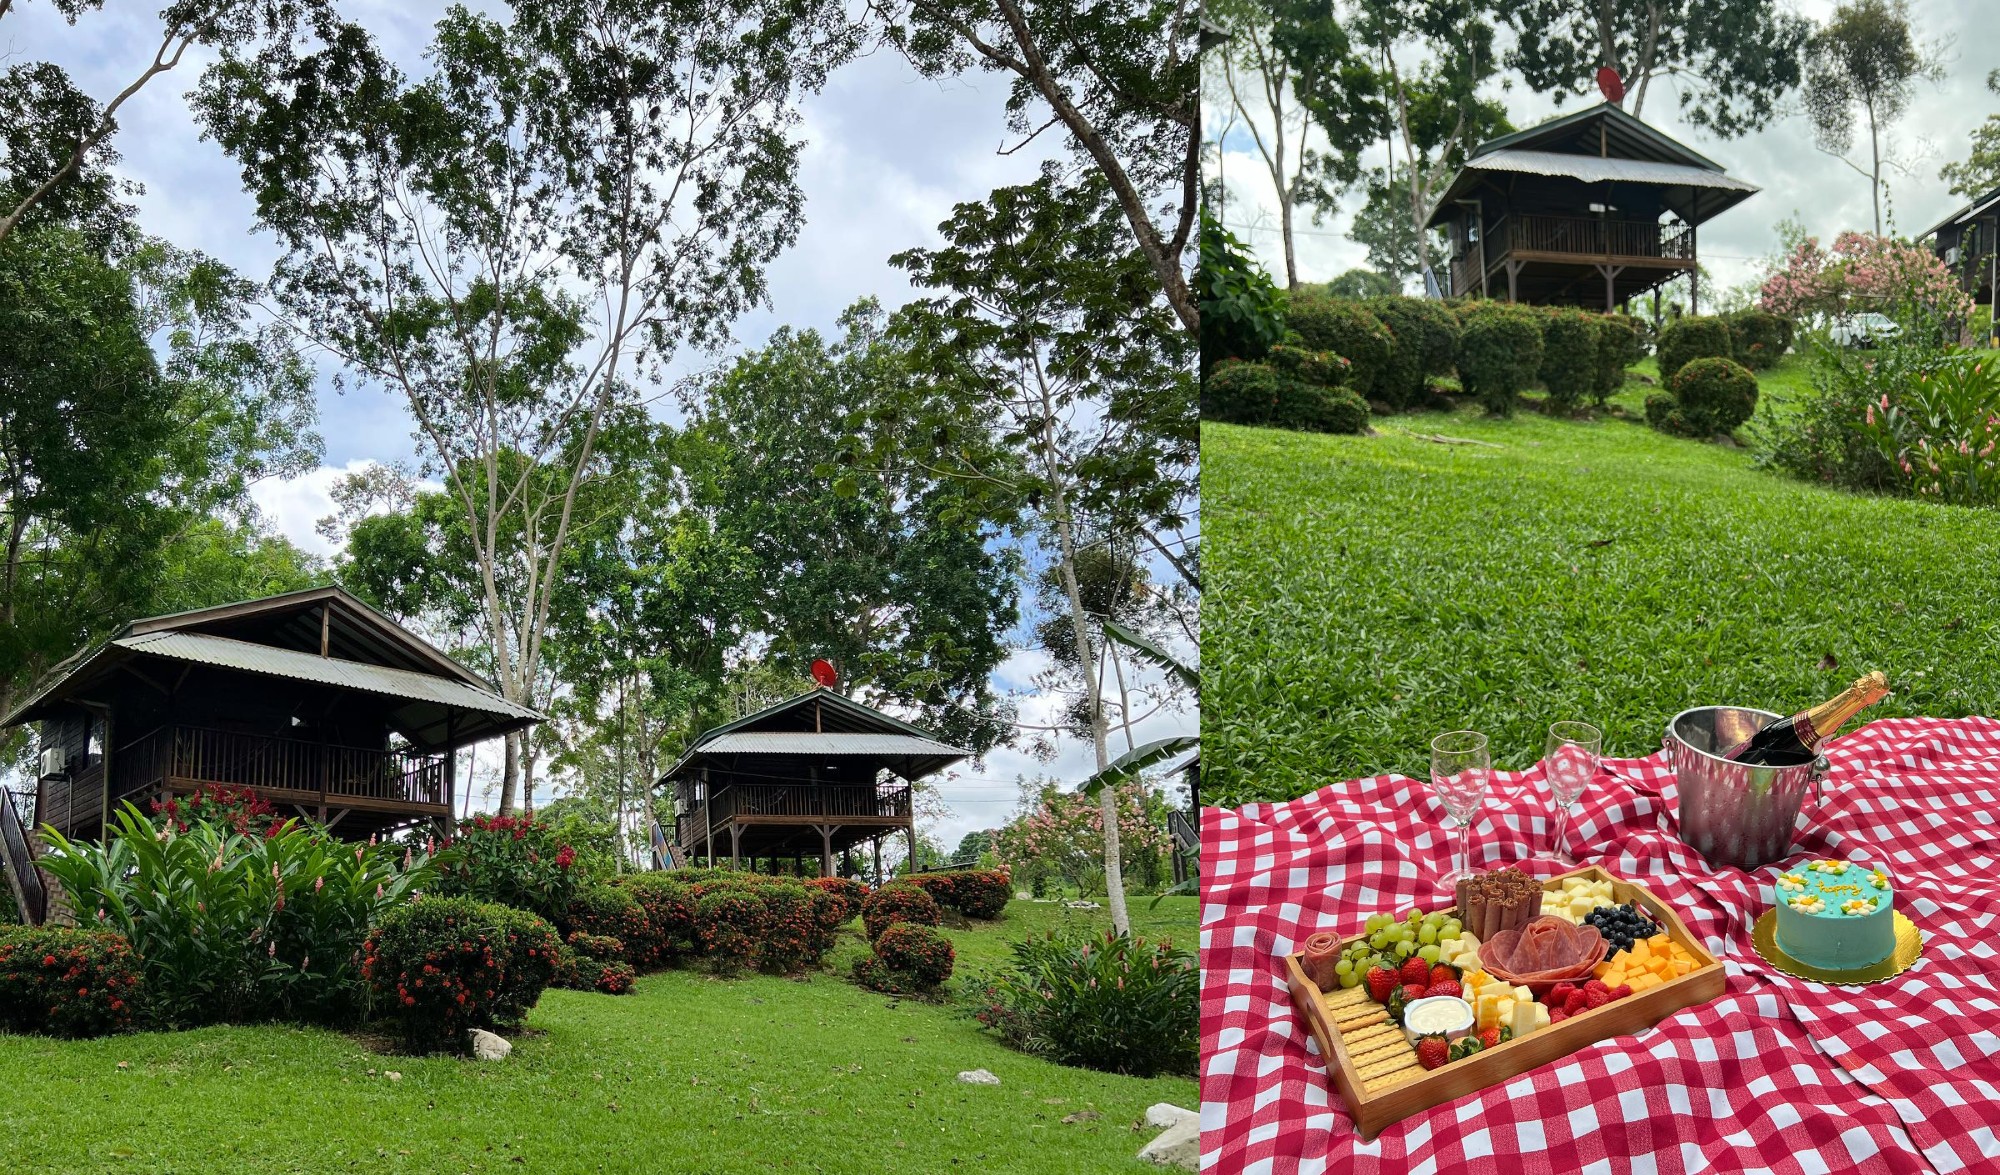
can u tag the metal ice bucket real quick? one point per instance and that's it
(1732, 813)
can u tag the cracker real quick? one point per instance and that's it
(1347, 1022)
(1376, 1053)
(1396, 1078)
(1386, 1066)
(1364, 1038)
(1342, 997)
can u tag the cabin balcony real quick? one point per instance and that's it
(886, 804)
(1567, 249)
(391, 786)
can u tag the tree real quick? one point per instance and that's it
(1435, 112)
(1383, 227)
(1979, 173)
(1731, 60)
(512, 242)
(1367, 283)
(1060, 386)
(1866, 56)
(1121, 79)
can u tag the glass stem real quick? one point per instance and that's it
(1465, 847)
(1562, 823)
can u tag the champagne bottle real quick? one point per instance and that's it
(1794, 740)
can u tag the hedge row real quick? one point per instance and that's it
(975, 893)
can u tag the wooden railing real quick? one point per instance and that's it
(196, 754)
(1591, 236)
(831, 801)
(17, 860)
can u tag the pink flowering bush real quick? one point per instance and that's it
(1060, 841)
(1864, 272)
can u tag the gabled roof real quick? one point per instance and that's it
(1603, 144)
(821, 723)
(1970, 211)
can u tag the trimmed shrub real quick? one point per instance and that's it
(1347, 329)
(1499, 354)
(975, 893)
(1118, 1004)
(593, 962)
(908, 960)
(1758, 338)
(1426, 337)
(1619, 346)
(793, 937)
(1236, 392)
(597, 946)
(1304, 408)
(1569, 357)
(1321, 369)
(847, 894)
(1282, 393)
(668, 905)
(441, 967)
(729, 924)
(898, 901)
(1687, 339)
(1715, 395)
(511, 860)
(608, 911)
(63, 982)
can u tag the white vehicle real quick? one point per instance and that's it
(1867, 329)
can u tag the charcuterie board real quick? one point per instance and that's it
(1633, 1013)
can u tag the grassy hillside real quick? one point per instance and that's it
(685, 1074)
(1368, 593)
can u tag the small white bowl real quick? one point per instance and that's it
(1453, 1026)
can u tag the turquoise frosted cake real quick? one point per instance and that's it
(1835, 915)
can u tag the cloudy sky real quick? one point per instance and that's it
(1798, 181)
(889, 154)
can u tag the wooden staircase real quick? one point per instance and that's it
(17, 861)
(666, 854)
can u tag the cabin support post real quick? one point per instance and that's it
(1610, 273)
(735, 843)
(1694, 276)
(878, 858)
(1513, 271)
(826, 832)
(910, 831)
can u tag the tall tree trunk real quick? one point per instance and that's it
(510, 773)
(1875, 176)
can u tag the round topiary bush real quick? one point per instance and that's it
(669, 908)
(1346, 328)
(1499, 353)
(1714, 395)
(847, 894)
(1426, 335)
(1688, 339)
(65, 982)
(1663, 412)
(608, 911)
(597, 946)
(439, 967)
(793, 937)
(918, 956)
(1619, 346)
(899, 901)
(975, 893)
(730, 925)
(1304, 408)
(1569, 357)
(1760, 338)
(1236, 392)
(1322, 369)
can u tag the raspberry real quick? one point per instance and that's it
(1598, 998)
(1557, 1015)
(1416, 971)
(1381, 981)
(1577, 1002)
(1595, 985)
(1490, 1038)
(1621, 991)
(1442, 972)
(1445, 987)
(1432, 1051)
(1412, 992)
(1559, 994)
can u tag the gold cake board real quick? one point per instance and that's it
(1909, 944)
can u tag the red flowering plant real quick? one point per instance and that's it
(794, 937)
(237, 808)
(730, 924)
(440, 967)
(593, 962)
(975, 893)
(606, 911)
(850, 891)
(66, 982)
(899, 901)
(229, 925)
(512, 860)
(668, 905)
(908, 960)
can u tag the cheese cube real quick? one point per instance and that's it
(1523, 1020)
(1487, 1010)
(1522, 993)
(1503, 1011)
(1541, 1016)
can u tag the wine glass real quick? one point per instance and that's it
(1569, 762)
(1461, 770)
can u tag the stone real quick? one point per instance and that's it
(1161, 1115)
(1177, 1146)
(487, 1046)
(978, 1077)
(393, 1075)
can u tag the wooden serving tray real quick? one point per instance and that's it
(1635, 1013)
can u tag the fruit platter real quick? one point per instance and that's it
(1423, 1007)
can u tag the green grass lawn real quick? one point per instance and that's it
(686, 1074)
(1368, 593)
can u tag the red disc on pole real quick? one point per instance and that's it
(1611, 84)
(823, 673)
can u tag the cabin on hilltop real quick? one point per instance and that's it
(313, 700)
(1591, 209)
(1968, 242)
(812, 776)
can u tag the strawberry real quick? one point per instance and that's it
(1432, 1051)
(1557, 1016)
(1442, 972)
(1598, 998)
(1490, 1038)
(1413, 992)
(1381, 981)
(1445, 987)
(1416, 971)
(1577, 1003)
(1595, 985)
(1621, 991)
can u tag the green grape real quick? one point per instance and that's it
(1350, 981)
(1453, 928)
(1428, 954)
(1378, 921)
(1344, 968)
(1404, 949)
(1412, 914)
(1408, 934)
(1428, 935)
(1379, 940)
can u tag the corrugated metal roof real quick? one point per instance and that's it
(809, 743)
(377, 679)
(1596, 169)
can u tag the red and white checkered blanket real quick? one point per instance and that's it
(1777, 1074)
